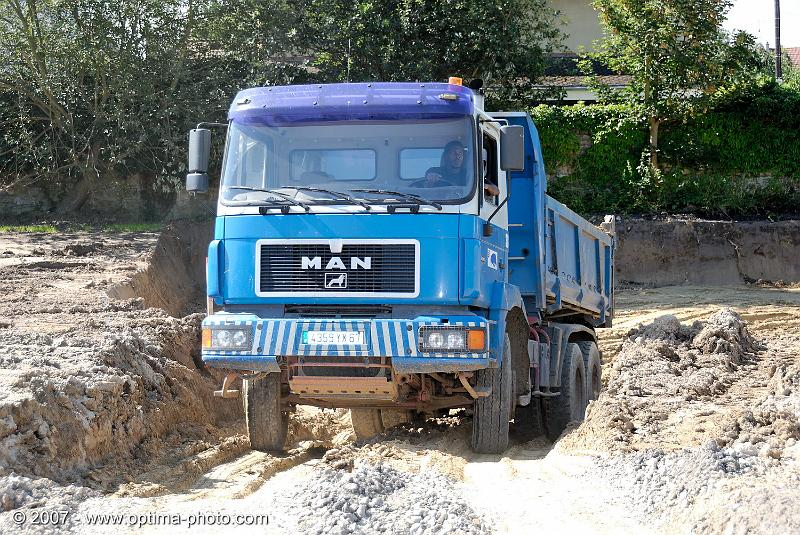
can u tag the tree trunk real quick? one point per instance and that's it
(77, 196)
(83, 190)
(654, 124)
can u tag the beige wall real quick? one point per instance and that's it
(581, 23)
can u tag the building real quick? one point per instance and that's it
(794, 56)
(581, 25)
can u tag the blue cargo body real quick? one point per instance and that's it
(381, 246)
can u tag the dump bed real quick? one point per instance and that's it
(578, 263)
(561, 263)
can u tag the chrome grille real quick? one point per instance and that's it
(392, 268)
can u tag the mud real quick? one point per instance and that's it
(89, 380)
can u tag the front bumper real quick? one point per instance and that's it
(398, 339)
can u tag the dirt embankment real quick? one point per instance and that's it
(174, 277)
(682, 251)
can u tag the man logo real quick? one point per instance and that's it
(336, 280)
(336, 263)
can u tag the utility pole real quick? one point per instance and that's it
(778, 70)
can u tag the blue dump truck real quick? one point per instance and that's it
(390, 248)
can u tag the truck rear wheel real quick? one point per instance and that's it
(594, 369)
(366, 422)
(267, 421)
(491, 414)
(570, 405)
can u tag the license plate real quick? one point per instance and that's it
(333, 337)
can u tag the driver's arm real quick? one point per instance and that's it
(490, 189)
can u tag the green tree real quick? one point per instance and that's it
(676, 53)
(93, 82)
(504, 42)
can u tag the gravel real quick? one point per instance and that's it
(380, 499)
(706, 490)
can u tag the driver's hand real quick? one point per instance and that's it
(432, 177)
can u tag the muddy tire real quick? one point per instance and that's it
(570, 406)
(366, 422)
(594, 369)
(267, 422)
(395, 417)
(491, 414)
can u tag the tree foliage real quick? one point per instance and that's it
(677, 54)
(98, 88)
(503, 42)
(90, 89)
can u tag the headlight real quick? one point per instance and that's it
(455, 340)
(448, 339)
(435, 340)
(224, 338)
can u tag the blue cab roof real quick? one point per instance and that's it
(352, 101)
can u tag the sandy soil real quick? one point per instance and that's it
(104, 409)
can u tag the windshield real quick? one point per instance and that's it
(429, 159)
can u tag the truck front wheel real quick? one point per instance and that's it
(570, 405)
(395, 417)
(267, 421)
(492, 413)
(366, 422)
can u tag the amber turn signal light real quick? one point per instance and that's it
(476, 339)
(206, 338)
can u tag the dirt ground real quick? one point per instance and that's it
(105, 409)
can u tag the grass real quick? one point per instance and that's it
(132, 227)
(110, 228)
(49, 229)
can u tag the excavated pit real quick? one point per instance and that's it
(174, 279)
(105, 404)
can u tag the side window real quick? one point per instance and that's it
(254, 165)
(491, 189)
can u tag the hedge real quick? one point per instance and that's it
(741, 158)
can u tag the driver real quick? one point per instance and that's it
(451, 172)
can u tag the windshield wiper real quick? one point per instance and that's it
(338, 194)
(404, 196)
(284, 207)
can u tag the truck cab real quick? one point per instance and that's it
(390, 248)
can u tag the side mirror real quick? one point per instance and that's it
(199, 152)
(512, 148)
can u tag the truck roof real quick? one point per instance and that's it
(357, 101)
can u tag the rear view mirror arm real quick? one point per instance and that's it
(216, 125)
